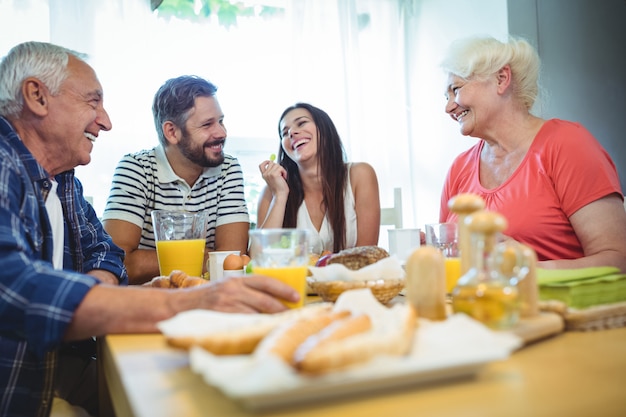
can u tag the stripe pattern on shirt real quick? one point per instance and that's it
(144, 181)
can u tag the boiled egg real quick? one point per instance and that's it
(233, 262)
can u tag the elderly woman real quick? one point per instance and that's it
(551, 179)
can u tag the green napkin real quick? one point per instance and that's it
(583, 287)
(548, 276)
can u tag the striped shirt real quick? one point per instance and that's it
(145, 181)
(37, 302)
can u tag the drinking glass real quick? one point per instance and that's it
(282, 254)
(444, 236)
(180, 240)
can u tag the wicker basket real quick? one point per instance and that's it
(383, 289)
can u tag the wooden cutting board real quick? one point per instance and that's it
(535, 328)
(544, 324)
(606, 316)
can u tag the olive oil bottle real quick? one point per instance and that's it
(484, 292)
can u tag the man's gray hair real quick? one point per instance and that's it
(44, 61)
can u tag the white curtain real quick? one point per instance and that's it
(371, 64)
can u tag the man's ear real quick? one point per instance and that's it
(504, 78)
(171, 132)
(35, 96)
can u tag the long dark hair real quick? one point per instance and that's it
(331, 164)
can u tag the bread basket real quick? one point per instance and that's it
(383, 289)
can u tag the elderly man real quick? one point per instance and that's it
(60, 270)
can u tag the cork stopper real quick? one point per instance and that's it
(486, 222)
(466, 203)
(463, 205)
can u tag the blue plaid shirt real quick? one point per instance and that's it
(37, 302)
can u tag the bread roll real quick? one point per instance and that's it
(338, 330)
(245, 338)
(284, 340)
(241, 341)
(357, 258)
(177, 278)
(159, 282)
(193, 282)
(358, 346)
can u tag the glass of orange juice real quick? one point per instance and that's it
(180, 240)
(282, 254)
(445, 236)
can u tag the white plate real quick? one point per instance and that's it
(324, 389)
(458, 347)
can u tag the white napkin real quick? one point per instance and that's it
(386, 268)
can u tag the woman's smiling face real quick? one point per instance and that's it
(472, 103)
(299, 134)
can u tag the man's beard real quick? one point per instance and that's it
(196, 153)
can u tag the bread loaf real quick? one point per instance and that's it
(284, 340)
(244, 339)
(352, 343)
(357, 258)
(193, 282)
(159, 282)
(339, 330)
(240, 341)
(176, 279)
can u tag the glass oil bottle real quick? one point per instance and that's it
(484, 292)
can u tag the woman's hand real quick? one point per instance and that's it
(275, 176)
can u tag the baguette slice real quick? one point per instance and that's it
(193, 282)
(358, 346)
(285, 339)
(339, 330)
(177, 278)
(159, 282)
(243, 339)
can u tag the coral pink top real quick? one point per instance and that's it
(565, 169)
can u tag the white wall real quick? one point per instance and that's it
(582, 45)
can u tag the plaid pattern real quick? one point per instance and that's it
(37, 302)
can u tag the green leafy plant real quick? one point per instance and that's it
(227, 11)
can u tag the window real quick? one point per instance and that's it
(371, 64)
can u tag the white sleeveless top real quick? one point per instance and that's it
(325, 234)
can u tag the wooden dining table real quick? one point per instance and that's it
(568, 374)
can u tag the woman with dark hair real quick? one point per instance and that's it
(311, 186)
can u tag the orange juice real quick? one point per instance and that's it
(453, 273)
(184, 255)
(294, 276)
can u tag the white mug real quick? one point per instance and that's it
(216, 263)
(402, 242)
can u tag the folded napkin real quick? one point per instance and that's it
(582, 287)
(386, 268)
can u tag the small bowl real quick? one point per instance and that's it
(383, 289)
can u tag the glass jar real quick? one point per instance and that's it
(484, 292)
